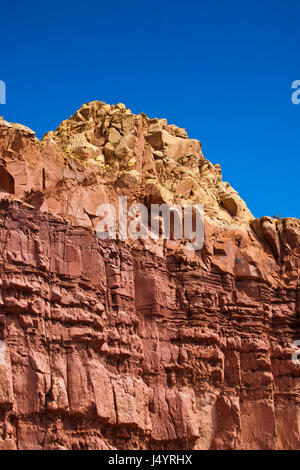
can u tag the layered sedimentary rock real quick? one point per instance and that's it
(139, 344)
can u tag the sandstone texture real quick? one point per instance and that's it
(139, 344)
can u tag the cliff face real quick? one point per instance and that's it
(139, 344)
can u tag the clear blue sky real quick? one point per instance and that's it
(221, 69)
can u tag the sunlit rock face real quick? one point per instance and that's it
(139, 344)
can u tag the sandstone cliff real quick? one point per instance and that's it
(144, 344)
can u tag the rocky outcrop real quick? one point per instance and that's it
(139, 344)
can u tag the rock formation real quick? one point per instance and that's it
(139, 344)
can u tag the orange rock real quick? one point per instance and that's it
(139, 344)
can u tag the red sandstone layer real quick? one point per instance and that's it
(120, 345)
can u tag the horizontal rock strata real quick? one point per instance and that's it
(144, 345)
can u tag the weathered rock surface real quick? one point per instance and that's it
(121, 345)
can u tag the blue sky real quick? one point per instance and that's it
(221, 69)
